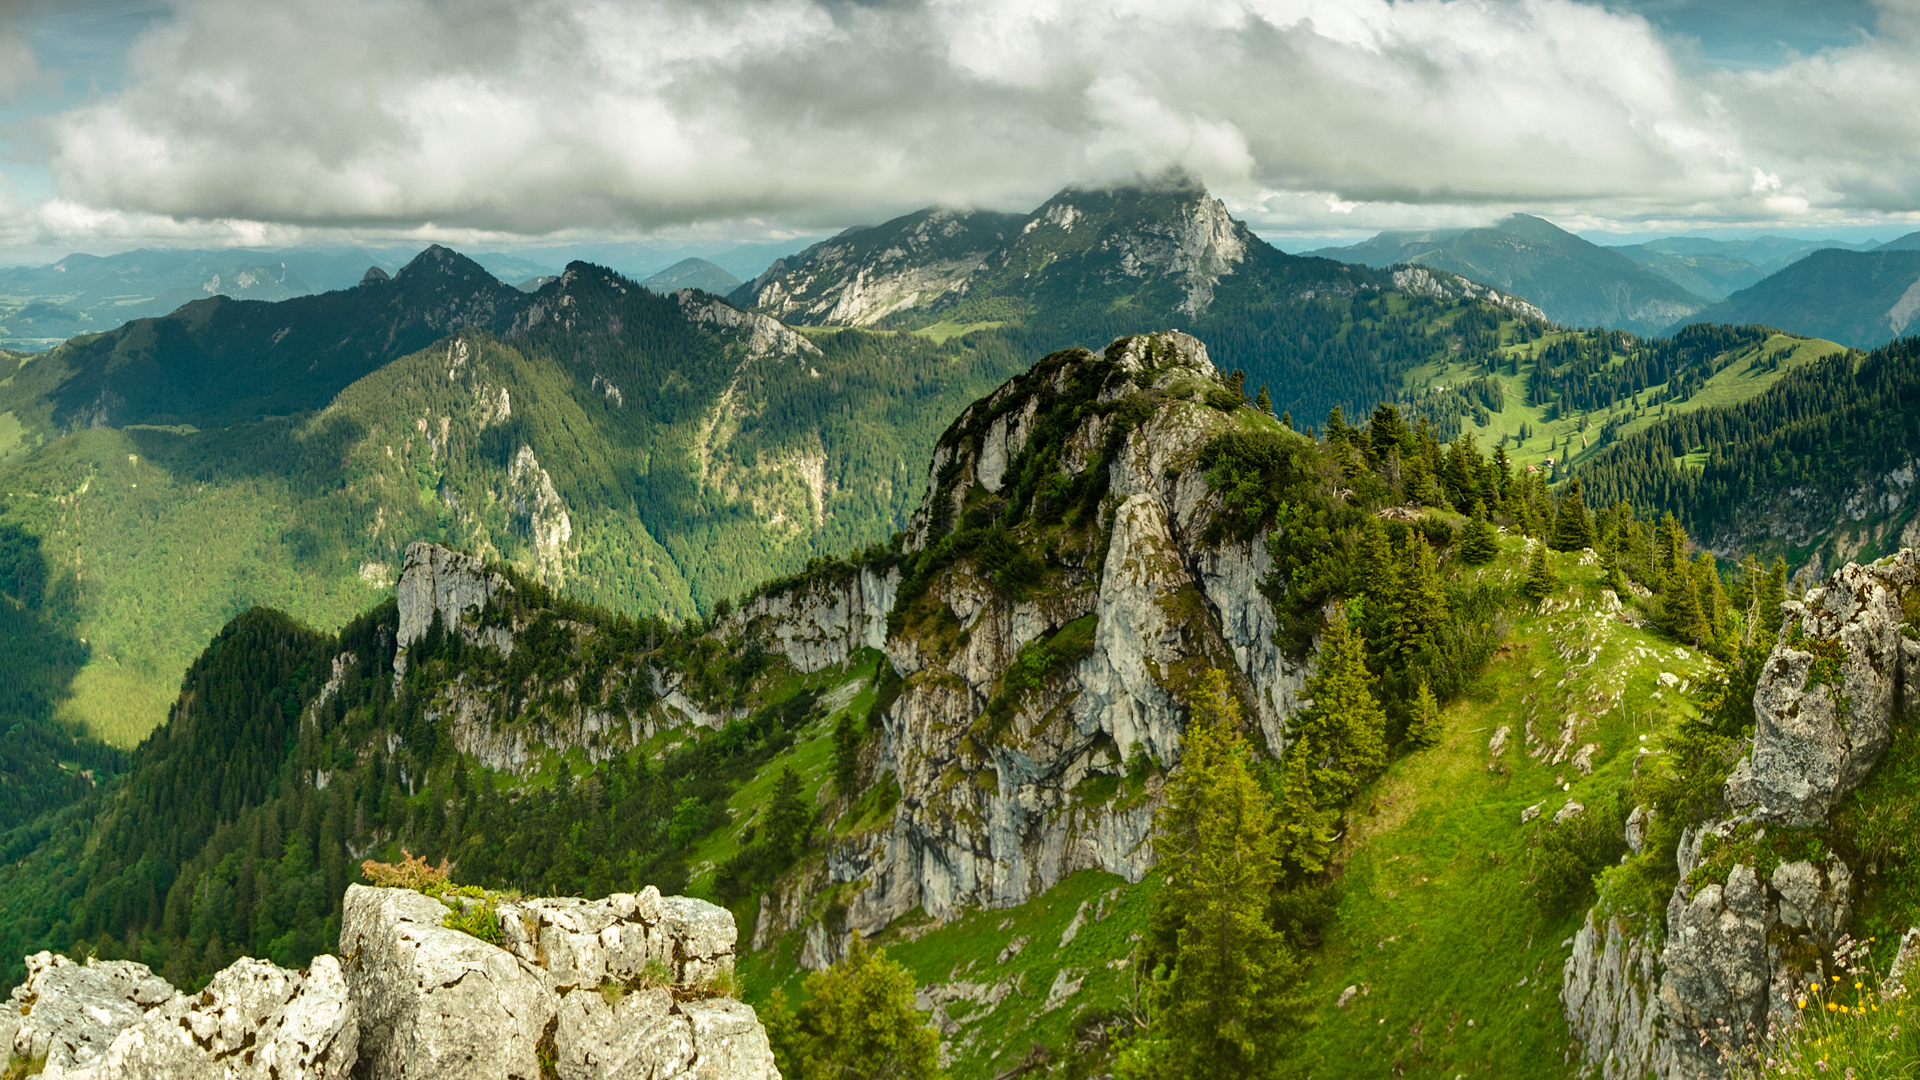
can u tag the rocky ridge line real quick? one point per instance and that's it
(603, 989)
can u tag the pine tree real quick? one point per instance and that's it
(1541, 580)
(1572, 529)
(1264, 402)
(1339, 742)
(1423, 729)
(788, 818)
(858, 1023)
(1223, 990)
(1478, 543)
(846, 757)
(1772, 594)
(1419, 606)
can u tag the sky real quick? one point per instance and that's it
(500, 123)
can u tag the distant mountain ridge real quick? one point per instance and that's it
(1858, 298)
(1575, 282)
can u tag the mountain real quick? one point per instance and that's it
(1857, 298)
(1818, 468)
(1717, 268)
(1909, 242)
(220, 361)
(40, 306)
(966, 745)
(1092, 264)
(1574, 282)
(692, 274)
(655, 454)
(864, 275)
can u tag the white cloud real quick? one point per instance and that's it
(508, 117)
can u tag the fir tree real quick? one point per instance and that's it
(1339, 742)
(1572, 529)
(1478, 543)
(846, 757)
(788, 818)
(1541, 580)
(1423, 729)
(1773, 593)
(1419, 606)
(1223, 986)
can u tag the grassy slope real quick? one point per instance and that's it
(1438, 924)
(1437, 920)
(1736, 382)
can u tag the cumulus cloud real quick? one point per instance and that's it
(524, 118)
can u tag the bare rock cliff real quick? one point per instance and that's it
(1743, 931)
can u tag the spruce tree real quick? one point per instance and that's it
(1572, 529)
(1423, 729)
(1419, 606)
(788, 819)
(1478, 543)
(1224, 979)
(1773, 593)
(1339, 742)
(1541, 580)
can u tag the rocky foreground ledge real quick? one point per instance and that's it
(622, 987)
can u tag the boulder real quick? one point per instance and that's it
(625, 938)
(436, 1002)
(70, 1013)
(254, 1021)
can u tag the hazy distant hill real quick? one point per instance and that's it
(1575, 282)
(1718, 268)
(692, 274)
(1858, 298)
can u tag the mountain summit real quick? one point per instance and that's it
(1575, 282)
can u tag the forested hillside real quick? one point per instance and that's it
(544, 744)
(1820, 467)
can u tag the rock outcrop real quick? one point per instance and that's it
(1746, 925)
(622, 987)
(438, 580)
(118, 1021)
(1136, 605)
(824, 619)
(596, 982)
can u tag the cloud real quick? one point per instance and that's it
(524, 118)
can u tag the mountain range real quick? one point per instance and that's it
(1574, 282)
(1858, 298)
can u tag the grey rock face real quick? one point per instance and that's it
(1736, 950)
(625, 937)
(821, 623)
(591, 976)
(254, 1021)
(119, 1021)
(439, 579)
(1610, 986)
(1165, 605)
(436, 1002)
(1815, 741)
(71, 1013)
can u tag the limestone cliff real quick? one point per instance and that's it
(1037, 713)
(1748, 924)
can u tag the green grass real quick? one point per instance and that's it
(939, 332)
(1438, 923)
(13, 436)
(991, 1038)
(1736, 382)
(810, 756)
